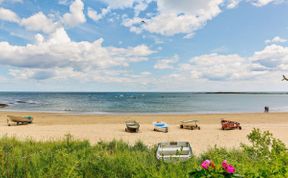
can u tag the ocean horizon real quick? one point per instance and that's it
(144, 102)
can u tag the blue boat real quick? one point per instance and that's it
(160, 126)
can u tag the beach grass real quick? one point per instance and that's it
(265, 156)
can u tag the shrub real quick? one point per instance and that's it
(264, 157)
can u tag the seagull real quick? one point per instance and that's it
(284, 78)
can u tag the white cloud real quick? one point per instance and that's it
(8, 15)
(119, 4)
(76, 15)
(166, 63)
(58, 53)
(97, 16)
(39, 22)
(218, 67)
(176, 17)
(39, 38)
(179, 17)
(64, 2)
(38, 74)
(276, 39)
(140, 6)
(231, 4)
(261, 3)
(268, 63)
(272, 57)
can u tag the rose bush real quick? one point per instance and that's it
(208, 169)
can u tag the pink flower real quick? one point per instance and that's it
(230, 169)
(205, 164)
(224, 164)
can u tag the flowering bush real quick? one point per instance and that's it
(210, 170)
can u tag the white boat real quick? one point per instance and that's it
(132, 126)
(169, 151)
(160, 126)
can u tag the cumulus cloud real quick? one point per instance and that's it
(76, 15)
(166, 63)
(97, 16)
(176, 17)
(269, 62)
(215, 67)
(8, 15)
(180, 17)
(272, 57)
(276, 39)
(218, 67)
(39, 22)
(59, 52)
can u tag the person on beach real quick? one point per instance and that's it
(266, 109)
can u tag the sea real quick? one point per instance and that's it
(143, 102)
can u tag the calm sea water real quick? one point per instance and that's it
(138, 102)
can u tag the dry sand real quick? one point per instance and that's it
(51, 126)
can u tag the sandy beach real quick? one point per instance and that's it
(52, 126)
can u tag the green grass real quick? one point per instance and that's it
(265, 157)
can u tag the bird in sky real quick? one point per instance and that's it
(284, 78)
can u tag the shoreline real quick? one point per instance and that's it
(95, 128)
(137, 113)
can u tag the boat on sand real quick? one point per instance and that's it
(132, 126)
(19, 120)
(189, 124)
(160, 126)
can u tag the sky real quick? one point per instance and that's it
(143, 45)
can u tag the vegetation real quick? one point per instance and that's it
(264, 157)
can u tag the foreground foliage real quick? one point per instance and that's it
(264, 157)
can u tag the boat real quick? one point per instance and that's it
(173, 151)
(19, 119)
(189, 124)
(160, 126)
(132, 126)
(229, 125)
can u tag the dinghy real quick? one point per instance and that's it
(132, 126)
(173, 151)
(160, 126)
(189, 124)
(19, 120)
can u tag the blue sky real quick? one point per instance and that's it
(143, 45)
